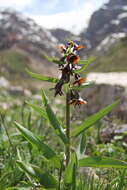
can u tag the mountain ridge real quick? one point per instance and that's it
(110, 19)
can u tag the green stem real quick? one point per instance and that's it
(60, 176)
(68, 128)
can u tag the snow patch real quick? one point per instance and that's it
(113, 78)
(123, 15)
(124, 8)
(109, 40)
(116, 22)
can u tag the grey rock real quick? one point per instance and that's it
(4, 83)
(16, 90)
(102, 95)
(122, 129)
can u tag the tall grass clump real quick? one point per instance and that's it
(60, 167)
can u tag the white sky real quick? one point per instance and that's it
(68, 14)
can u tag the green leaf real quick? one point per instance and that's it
(43, 78)
(93, 119)
(54, 60)
(45, 179)
(38, 109)
(85, 63)
(45, 149)
(70, 172)
(53, 120)
(104, 162)
(85, 85)
(83, 142)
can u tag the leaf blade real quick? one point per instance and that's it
(53, 120)
(85, 85)
(104, 162)
(70, 171)
(94, 118)
(83, 142)
(54, 60)
(45, 178)
(85, 64)
(38, 109)
(34, 140)
(41, 77)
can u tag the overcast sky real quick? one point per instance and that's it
(68, 14)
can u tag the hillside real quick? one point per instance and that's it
(113, 60)
(13, 64)
(23, 44)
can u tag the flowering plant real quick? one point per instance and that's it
(67, 166)
(69, 66)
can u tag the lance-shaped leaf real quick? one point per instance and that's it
(85, 64)
(54, 60)
(93, 119)
(85, 85)
(43, 78)
(53, 120)
(44, 148)
(44, 178)
(38, 109)
(70, 172)
(104, 162)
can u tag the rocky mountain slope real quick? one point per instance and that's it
(114, 59)
(23, 44)
(63, 35)
(109, 21)
(18, 30)
(107, 25)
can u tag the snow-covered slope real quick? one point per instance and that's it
(110, 21)
(18, 30)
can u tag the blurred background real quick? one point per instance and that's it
(31, 29)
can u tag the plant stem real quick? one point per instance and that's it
(68, 127)
(60, 175)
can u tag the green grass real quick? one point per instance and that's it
(12, 176)
(14, 62)
(114, 60)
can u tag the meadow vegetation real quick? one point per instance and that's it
(42, 148)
